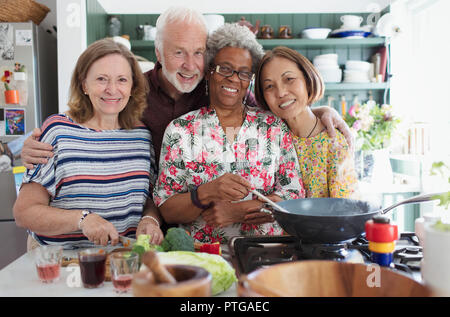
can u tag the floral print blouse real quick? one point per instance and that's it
(327, 166)
(195, 151)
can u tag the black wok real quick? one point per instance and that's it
(330, 220)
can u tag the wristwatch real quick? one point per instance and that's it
(84, 214)
(196, 201)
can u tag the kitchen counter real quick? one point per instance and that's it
(19, 279)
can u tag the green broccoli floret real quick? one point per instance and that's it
(143, 245)
(177, 239)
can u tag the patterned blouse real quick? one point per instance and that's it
(195, 151)
(327, 166)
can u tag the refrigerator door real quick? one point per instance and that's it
(7, 195)
(37, 86)
(13, 240)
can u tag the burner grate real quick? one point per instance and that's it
(250, 253)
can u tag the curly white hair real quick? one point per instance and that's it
(233, 35)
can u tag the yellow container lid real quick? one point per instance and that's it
(19, 169)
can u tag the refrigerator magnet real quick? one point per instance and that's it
(6, 41)
(2, 122)
(24, 37)
(15, 121)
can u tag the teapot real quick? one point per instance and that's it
(252, 28)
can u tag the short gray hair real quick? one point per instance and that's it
(174, 15)
(233, 35)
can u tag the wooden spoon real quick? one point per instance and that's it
(267, 200)
(160, 273)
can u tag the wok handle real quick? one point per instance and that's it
(413, 200)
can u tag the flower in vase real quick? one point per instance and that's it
(373, 125)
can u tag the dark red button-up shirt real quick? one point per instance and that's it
(162, 109)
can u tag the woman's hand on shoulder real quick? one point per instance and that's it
(331, 119)
(35, 152)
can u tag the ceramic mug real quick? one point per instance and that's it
(351, 21)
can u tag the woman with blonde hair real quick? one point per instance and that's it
(96, 187)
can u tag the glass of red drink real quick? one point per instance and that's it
(48, 262)
(123, 266)
(92, 267)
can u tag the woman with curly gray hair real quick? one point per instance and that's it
(213, 157)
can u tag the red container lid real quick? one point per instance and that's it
(381, 232)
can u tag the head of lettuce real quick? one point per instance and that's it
(223, 274)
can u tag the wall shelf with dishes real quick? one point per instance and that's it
(324, 43)
(323, 35)
(291, 28)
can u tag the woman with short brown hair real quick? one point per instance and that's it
(288, 84)
(314, 83)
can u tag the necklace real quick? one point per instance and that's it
(317, 119)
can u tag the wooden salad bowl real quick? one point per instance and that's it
(328, 279)
(192, 281)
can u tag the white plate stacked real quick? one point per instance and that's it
(357, 71)
(327, 65)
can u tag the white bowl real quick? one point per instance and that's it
(330, 75)
(315, 33)
(331, 56)
(356, 76)
(325, 63)
(146, 66)
(357, 65)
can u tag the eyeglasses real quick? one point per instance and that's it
(228, 72)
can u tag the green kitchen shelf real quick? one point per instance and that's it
(356, 86)
(294, 43)
(324, 43)
(142, 44)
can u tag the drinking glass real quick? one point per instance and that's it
(48, 262)
(123, 266)
(92, 267)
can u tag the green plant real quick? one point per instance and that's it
(440, 169)
(372, 124)
(7, 87)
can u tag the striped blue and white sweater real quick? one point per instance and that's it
(108, 172)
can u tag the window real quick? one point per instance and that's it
(420, 63)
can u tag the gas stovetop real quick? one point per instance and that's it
(252, 252)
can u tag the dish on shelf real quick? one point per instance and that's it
(387, 26)
(315, 33)
(357, 65)
(356, 76)
(326, 59)
(356, 33)
(330, 75)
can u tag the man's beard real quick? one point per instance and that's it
(172, 78)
